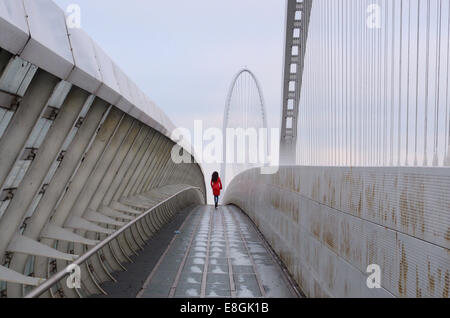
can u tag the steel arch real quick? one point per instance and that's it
(227, 109)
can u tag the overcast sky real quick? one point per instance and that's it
(183, 54)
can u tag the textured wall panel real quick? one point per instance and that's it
(13, 25)
(86, 73)
(49, 46)
(329, 224)
(109, 90)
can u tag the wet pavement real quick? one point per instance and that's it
(203, 252)
(216, 253)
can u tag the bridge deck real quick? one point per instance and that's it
(204, 252)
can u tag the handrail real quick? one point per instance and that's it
(38, 291)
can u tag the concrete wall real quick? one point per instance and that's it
(82, 151)
(329, 224)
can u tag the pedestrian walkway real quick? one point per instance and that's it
(216, 253)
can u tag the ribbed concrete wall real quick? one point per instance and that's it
(329, 224)
(82, 152)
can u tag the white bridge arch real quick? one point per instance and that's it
(252, 83)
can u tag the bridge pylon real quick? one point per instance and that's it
(297, 24)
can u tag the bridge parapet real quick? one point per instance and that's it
(79, 145)
(329, 224)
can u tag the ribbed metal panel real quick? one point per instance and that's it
(329, 224)
(55, 147)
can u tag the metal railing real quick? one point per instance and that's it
(38, 291)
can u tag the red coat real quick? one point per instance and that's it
(216, 186)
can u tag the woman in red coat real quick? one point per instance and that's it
(216, 186)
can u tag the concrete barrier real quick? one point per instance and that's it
(329, 224)
(81, 151)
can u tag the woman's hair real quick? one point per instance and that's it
(215, 176)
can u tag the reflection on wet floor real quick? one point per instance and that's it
(216, 253)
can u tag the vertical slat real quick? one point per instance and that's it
(24, 120)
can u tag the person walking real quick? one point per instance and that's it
(216, 185)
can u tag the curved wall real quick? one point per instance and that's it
(329, 224)
(82, 152)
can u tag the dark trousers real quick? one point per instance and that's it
(216, 200)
